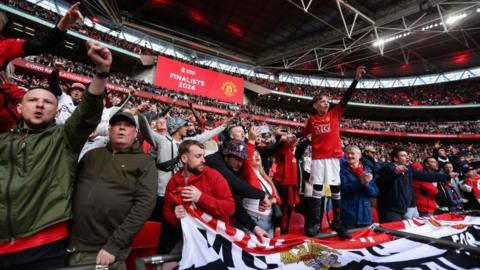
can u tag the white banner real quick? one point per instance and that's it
(211, 244)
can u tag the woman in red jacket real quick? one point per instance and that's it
(254, 174)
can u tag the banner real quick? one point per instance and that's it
(194, 80)
(211, 244)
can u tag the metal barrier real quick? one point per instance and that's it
(140, 263)
(84, 267)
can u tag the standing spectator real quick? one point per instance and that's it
(472, 180)
(324, 127)
(285, 179)
(167, 162)
(40, 180)
(68, 102)
(196, 184)
(11, 48)
(229, 162)
(114, 195)
(395, 185)
(253, 173)
(358, 187)
(425, 192)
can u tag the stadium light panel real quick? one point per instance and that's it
(455, 18)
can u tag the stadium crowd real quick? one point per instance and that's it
(82, 170)
(28, 80)
(452, 93)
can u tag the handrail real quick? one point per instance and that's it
(84, 267)
(156, 260)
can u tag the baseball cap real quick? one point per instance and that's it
(77, 86)
(125, 116)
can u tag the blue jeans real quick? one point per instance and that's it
(261, 222)
(412, 212)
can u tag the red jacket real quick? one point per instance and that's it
(10, 96)
(216, 198)
(424, 193)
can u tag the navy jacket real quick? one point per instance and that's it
(356, 206)
(396, 192)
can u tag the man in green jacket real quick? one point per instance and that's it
(115, 193)
(37, 170)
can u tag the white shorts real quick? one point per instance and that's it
(325, 172)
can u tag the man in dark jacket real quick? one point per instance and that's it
(12, 48)
(115, 194)
(395, 185)
(228, 162)
(37, 171)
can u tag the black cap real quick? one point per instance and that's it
(122, 116)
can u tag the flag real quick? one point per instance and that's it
(209, 243)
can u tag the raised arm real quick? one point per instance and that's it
(152, 137)
(47, 41)
(358, 75)
(87, 115)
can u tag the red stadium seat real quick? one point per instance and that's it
(375, 215)
(145, 243)
(297, 224)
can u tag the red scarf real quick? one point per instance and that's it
(357, 171)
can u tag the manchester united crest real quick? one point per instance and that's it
(229, 88)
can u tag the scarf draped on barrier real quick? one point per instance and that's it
(211, 244)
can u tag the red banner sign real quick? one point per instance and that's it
(189, 79)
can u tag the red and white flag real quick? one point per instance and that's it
(211, 244)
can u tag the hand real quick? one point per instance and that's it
(265, 204)
(453, 175)
(400, 169)
(93, 135)
(180, 211)
(230, 119)
(105, 258)
(4, 78)
(261, 234)
(365, 178)
(437, 144)
(360, 72)
(144, 107)
(253, 133)
(59, 65)
(100, 56)
(191, 194)
(70, 17)
(464, 200)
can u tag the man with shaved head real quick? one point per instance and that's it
(37, 171)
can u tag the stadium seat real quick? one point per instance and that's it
(297, 224)
(375, 215)
(145, 243)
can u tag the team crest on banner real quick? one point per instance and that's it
(229, 88)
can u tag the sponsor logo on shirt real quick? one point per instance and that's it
(322, 128)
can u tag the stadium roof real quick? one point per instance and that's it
(331, 37)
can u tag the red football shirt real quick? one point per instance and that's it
(325, 130)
